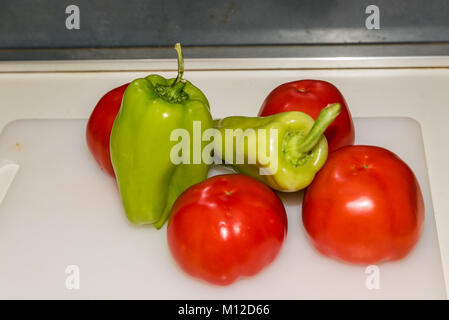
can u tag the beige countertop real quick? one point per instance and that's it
(374, 87)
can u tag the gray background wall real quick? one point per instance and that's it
(39, 25)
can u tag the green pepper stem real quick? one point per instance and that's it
(180, 64)
(175, 91)
(325, 118)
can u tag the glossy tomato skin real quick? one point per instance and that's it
(226, 227)
(365, 206)
(310, 96)
(99, 126)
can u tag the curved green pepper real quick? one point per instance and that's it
(140, 144)
(286, 157)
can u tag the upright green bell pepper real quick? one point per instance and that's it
(140, 144)
(286, 156)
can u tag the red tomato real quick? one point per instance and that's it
(364, 206)
(99, 127)
(226, 227)
(310, 96)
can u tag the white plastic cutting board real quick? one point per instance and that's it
(62, 210)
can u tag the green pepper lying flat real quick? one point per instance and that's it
(284, 150)
(152, 107)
